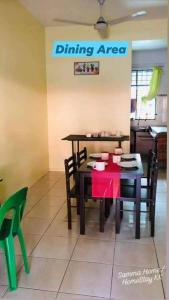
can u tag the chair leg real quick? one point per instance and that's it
(107, 207)
(69, 214)
(10, 262)
(111, 201)
(78, 206)
(153, 220)
(150, 210)
(23, 249)
(121, 209)
(102, 214)
(117, 216)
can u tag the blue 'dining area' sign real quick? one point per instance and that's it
(90, 49)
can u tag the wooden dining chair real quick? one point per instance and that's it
(145, 180)
(148, 196)
(71, 185)
(105, 204)
(151, 159)
(81, 156)
(72, 189)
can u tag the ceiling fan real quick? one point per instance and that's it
(101, 24)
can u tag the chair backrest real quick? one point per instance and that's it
(81, 156)
(150, 162)
(154, 178)
(15, 206)
(70, 171)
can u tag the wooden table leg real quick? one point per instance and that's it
(135, 141)
(77, 146)
(82, 205)
(102, 214)
(138, 196)
(73, 149)
(107, 207)
(118, 219)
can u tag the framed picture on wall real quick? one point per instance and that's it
(86, 68)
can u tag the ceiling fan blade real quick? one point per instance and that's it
(72, 22)
(145, 3)
(119, 20)
(133, 16)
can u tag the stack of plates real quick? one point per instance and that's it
(128, 164)
(95, 155)
(91, 164)
(128, 156)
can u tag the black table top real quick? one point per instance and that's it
(125, 173)
(80, 137)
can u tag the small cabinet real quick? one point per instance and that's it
(141, 141)
(144, 142)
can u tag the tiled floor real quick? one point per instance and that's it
(65, 265)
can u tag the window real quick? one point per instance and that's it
(139, 88)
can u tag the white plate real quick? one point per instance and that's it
(128, 164)
(93, 163)
(95, 155)
(127, 156)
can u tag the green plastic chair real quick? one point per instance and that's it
(11, 213)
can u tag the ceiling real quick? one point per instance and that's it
(88, 11)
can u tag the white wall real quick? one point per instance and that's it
(77, 104)
(23, 105)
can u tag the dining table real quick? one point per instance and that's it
(85, 171)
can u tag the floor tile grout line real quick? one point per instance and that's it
(78, 261)
(70, 260)
(52, 219)
(160, 269)
(51, 184)
(57, 293)
(67, 266)
(94, 297)
(42, 177)
(113, 266)
(40, 198)
(19, 270)
(75, 260)
(34, 289)
(74, 246)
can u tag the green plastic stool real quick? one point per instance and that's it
(11, 213)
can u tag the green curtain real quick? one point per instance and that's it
(154, 84)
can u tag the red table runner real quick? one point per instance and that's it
(106, 184)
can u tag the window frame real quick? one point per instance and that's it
(142, 85)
